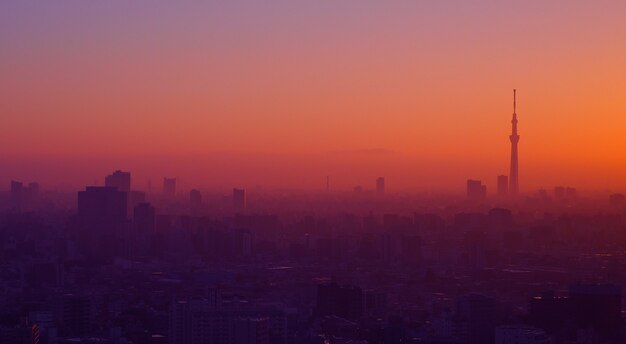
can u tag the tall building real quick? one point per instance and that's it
(195, 197)
(99, 205)
(503, 186)
(239, 199)
(23, 197)
(144, 218)
(559, 192)
(380, 185)
(144, 223)
(119, 180)
(169, 187)
(74, 314)
(513, 181)
(134, 198)
(476, 189)
(102, 213)
(16, 194)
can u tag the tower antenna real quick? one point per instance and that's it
(514, 100)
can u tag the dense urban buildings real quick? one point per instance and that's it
(312, 172)
(313, 268)
(112, 264)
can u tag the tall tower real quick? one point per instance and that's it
(513, 176)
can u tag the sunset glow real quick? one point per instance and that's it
(283, 93)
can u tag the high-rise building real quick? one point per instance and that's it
(144, 218)
(513, 181)
(23, 197)
(476, 189)
(380, 185)
(570, 193)
(16, 194)
(144, 223)
(99, 205)
(559, 192)
(33, 189)
(74, 314)
(239, 199)
(169, 187)
(134, 198)
(503, 186)
(500, 218)
(102, 212)
(119, 180)
(195, 197)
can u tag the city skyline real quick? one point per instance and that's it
(315, 90)
(312, 172)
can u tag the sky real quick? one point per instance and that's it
(281, 94)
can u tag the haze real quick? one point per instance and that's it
(281, 94)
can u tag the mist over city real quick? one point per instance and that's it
(354, 172)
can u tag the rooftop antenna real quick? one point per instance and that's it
(514, 100)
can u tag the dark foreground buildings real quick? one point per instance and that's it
(311, 268)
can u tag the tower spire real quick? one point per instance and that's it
(514, 137)
(514, 100)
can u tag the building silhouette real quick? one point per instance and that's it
(134, 198)
(119, 180)
(16, 194)
(195, 197)
(144, 223)
(102, 211)
(169, 187)
(239, 199)
(559, 192)
(513, 179)
(23, 197)
(476, 190)
(503, 185)
(380, 185)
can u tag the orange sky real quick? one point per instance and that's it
(283, 93)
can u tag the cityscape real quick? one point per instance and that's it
(231, 208)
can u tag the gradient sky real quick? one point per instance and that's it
(283, 93)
